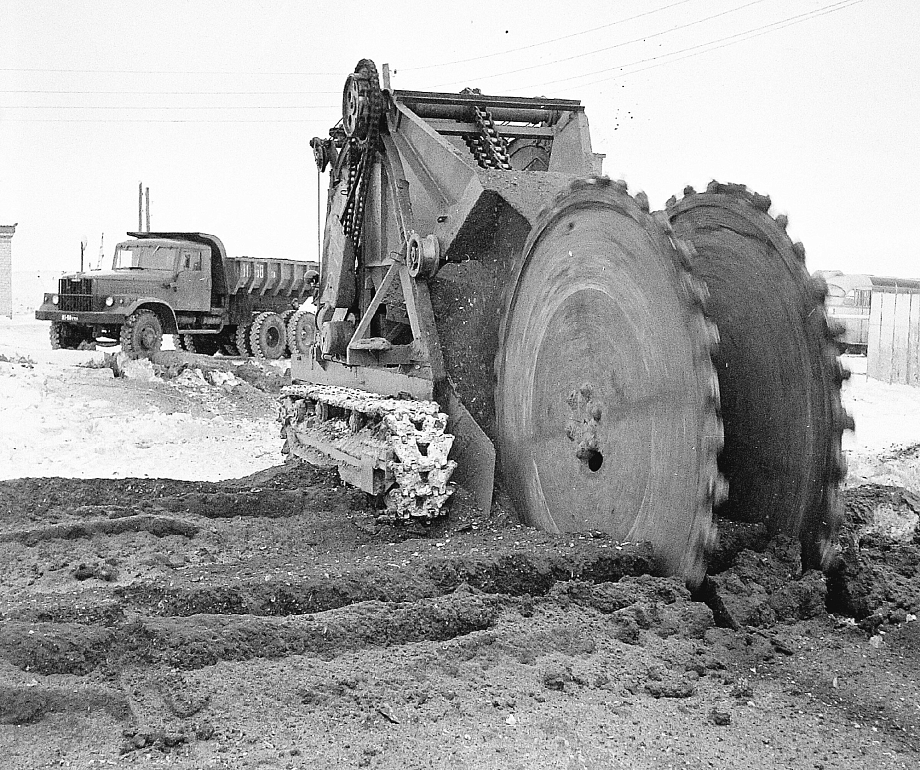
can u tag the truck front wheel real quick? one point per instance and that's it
(69, 336)
(300, 330)
(142, 334)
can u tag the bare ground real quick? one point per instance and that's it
(271, 622)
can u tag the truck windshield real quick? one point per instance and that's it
(149, 257)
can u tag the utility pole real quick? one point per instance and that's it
(99, 261)
(82, 249)
(140, 207)
(319, 217)
(147, 195)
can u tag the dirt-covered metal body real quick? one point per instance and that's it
(473, 257)
(184, 283)
(428, 174)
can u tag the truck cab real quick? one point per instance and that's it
(177, 271)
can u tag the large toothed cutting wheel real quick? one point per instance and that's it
(617, 370)
(607, 403)
(777, 364)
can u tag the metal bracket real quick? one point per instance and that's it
(365, 349)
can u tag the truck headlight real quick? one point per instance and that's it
(55, 299)
(109, 301)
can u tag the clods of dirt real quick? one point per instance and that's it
(286, 627)
(763, 588)
(876, 579)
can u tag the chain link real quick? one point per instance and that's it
(361, 157)
(489, 148)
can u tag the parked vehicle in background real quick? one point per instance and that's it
(183, 284)
(848, 301)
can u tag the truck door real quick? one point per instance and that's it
(193, 282)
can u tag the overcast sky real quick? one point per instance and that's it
(212, 106)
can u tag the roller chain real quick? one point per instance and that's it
(361, 155)
(489, 148)
(410, 436)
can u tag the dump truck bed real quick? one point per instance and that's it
(251, 275)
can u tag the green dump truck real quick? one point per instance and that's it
(184, 284)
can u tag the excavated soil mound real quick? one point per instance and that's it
(877, 578)
(272, 621)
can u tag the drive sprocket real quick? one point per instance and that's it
(607, 403)
(777, 364)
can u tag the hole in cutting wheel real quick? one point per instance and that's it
(593, 459)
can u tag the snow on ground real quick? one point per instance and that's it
(59, 418)
(887, 421)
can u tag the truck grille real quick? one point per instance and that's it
(75, 294)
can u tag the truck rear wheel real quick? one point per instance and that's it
(242, 340)
(68, 336)
(227, 341)
(268, 337)
(203, 344)
(141, 334)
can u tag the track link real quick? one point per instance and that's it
(397, 448)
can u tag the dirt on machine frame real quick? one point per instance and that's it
(184, 284)
(493, 310)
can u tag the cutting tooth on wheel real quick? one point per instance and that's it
(778, 375)
(605, 404)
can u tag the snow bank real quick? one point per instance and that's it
(60, 419)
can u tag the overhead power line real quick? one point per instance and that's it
(168, 72)
(663, 59)
(780, 25)
(170, 107)
(654, 61)
(338, 74)
(154, 120)
(171, 93)
(543, 42)
(639, 39)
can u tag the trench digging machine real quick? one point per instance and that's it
(492, 309)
